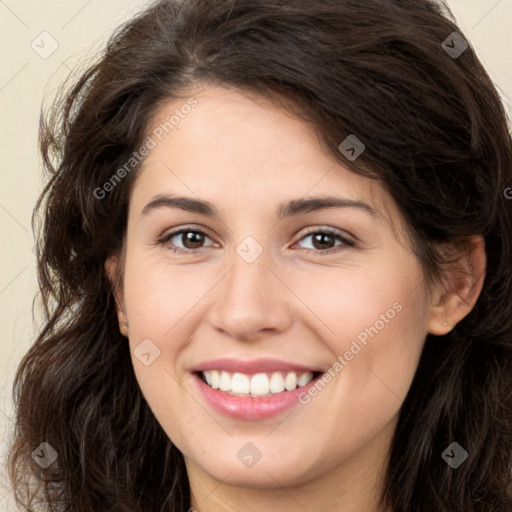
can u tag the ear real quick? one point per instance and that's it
(456, 296)
(113, 270)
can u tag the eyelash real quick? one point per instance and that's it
(345, 241)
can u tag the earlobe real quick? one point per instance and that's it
(460, 289)
(113, 271)
(440, 322)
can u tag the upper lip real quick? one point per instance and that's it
(252, 366)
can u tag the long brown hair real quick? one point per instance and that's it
(436, 136)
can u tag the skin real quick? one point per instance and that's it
(246, 157)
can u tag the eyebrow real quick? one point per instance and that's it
(288, 209)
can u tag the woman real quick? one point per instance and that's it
(275, 262)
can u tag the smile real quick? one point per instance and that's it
(253, 390)
(256, 385)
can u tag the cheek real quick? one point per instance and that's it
(157, 295)
(375, 334)
(353, 304)
(374, 325)
(158, 302)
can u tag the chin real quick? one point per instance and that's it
(261, 476)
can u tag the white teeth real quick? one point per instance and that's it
(214, 375)
(240, 383)
(304, 379)
(276, 383)
(258, 384)
(225, 381)
(290, 383)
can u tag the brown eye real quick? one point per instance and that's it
(191, 239)
(323, 241)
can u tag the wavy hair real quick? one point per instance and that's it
(437, 139)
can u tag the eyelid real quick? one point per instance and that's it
(171, 234)
(346, 241)
(348, 238)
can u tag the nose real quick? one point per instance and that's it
(252, 301)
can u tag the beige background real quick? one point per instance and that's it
(27, 75)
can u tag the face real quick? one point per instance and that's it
(258, 303)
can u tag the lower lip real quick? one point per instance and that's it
(249, 408)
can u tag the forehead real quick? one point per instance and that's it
(231, 146)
